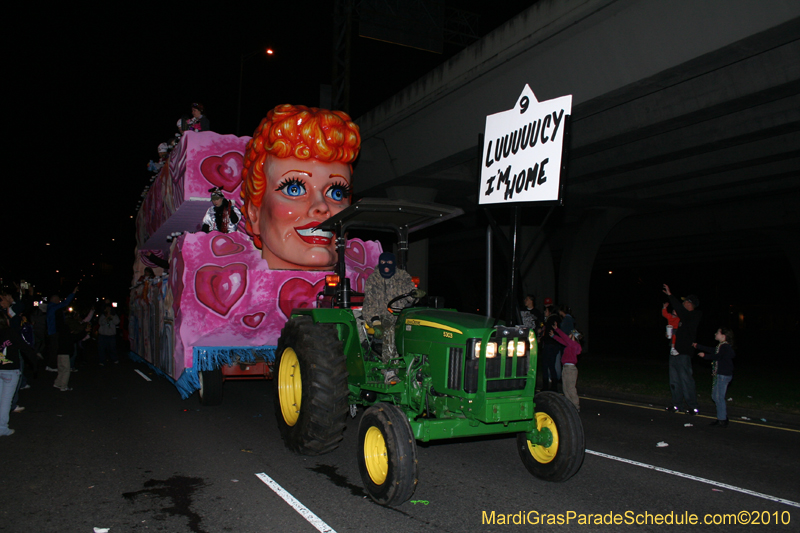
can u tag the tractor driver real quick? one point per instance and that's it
(384, 284)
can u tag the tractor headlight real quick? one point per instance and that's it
(531, 339)
(518, 347)
(491, 350)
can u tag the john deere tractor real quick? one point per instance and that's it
(458, 375)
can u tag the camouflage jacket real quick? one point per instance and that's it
(379, 291)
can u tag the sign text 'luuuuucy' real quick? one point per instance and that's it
(522, 148)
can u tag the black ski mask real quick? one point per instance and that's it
(387, 264)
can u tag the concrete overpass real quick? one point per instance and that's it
(684, 111)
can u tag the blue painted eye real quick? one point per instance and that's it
(293, 188)
(338, 192)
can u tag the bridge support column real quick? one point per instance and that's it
(788, 241)
(577, 261)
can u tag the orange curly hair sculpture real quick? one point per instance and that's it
(295, 131)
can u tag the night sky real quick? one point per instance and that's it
(92, 94)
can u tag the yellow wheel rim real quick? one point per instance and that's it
(375, 456)
(290, 386)
(545, 454)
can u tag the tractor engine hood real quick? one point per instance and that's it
(439, 323)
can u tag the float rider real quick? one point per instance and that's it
(223, 216)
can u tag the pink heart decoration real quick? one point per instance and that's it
(296, 293)
(222, 245)
(176, 277)
(223, 171)
(252, 321)
(219, 288)
(355, 252)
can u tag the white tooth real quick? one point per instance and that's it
(312, 233)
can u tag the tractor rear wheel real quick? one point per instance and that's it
(563, 456)
(387, 454)
(310, 387)
(210, 386)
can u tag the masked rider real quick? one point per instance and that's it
(384, 284)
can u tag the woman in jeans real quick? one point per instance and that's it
(721, 371)
(12, 344)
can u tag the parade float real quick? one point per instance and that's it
(209, 308)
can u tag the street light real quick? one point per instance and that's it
(269, 52)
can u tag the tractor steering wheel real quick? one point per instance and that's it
(412, 294)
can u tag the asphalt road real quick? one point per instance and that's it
(123, 453)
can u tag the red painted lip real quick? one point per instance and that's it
(319, 238)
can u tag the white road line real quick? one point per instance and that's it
(142, 374)
(695, 478)
(304, 511)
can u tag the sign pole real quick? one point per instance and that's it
(513, 312)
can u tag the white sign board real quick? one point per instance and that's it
(522, 148)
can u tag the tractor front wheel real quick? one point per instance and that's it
(387, 454)
(310, 387)
(561, 456)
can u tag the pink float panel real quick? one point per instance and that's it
(224, 294)
(178, 198)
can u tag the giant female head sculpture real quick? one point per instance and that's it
(297, 173)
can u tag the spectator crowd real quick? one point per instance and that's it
(44, 337)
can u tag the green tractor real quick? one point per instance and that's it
(458, 375)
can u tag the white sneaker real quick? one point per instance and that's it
(19, 409)
(51, 369)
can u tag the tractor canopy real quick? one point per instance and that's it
(400, 217)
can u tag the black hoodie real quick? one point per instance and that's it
(686, 334)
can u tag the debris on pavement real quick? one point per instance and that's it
(142, 374)
(662, 444)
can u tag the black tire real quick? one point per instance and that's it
(315, 426)
(387, 454)
(564, 457)
(210, 386)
